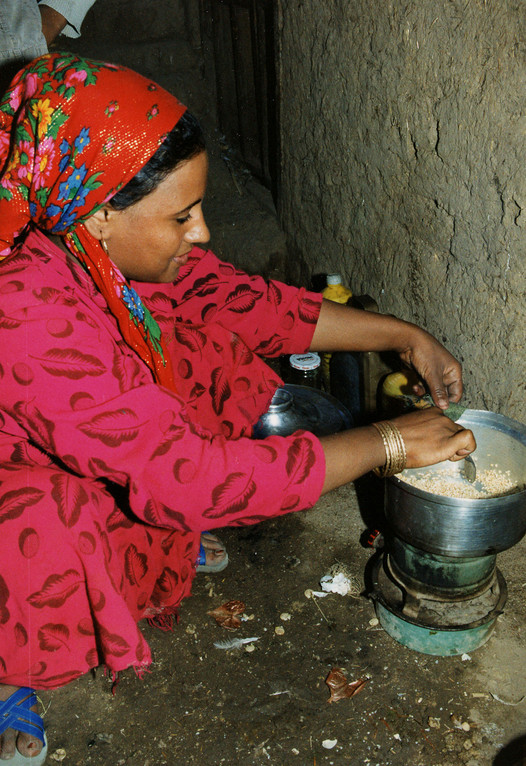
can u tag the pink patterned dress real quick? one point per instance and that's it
(106, 477)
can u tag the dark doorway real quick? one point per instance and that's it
(239, 44)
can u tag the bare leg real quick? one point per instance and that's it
(12, 739)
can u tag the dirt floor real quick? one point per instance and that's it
(209, 706)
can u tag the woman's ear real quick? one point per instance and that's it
(97, 223)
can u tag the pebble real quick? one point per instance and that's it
(466, 726)
(468, 744)
(308, 593)
(328, 744)
(279, 630)
(249, 648)
(284, 616)
(58, 755)
(373, 622)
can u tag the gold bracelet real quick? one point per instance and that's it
(395, 452)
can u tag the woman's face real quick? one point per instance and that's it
(150, 240)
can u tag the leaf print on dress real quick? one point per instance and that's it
(135, 565)
(300, 459)
(166, 587)
(191, 337)
(14, 502)
(242, 299)
(70, 363)
(172, 435)
(271, 347)
(160, 305)
(231, 496)
(274, 294)
(4, 597)
(56, 589)
(126, 368)
(202, 287)
(158, 513)
(69, 495)
(53, 296)
(40, 428)
(220, 389)
(117, 520)
(114, 427)
(112, 643)
(8, 323)
(309, 310)
(52, 637)
(17, 263)
(100, 468)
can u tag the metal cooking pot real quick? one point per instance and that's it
(465, 527)
(301, 407)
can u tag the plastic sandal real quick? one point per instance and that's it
(202, 566)
(15, 714)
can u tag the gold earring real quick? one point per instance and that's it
(104, 245)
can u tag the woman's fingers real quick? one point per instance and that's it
(437, 367)
(430, 437)
(463, 442)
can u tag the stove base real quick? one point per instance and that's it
(431, 627)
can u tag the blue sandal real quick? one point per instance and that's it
(202, 566)
(15, 714)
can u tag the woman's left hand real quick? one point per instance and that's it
(342, 328)
(439, 369)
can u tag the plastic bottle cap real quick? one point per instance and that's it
(310, 361)
(334, 279)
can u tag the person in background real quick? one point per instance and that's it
(28, 28)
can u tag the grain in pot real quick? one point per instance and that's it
(491, 482)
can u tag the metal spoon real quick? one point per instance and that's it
(470, 469)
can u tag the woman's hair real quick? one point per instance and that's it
(183, 142)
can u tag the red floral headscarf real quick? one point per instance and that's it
(72, 132)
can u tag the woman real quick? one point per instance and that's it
(126, 420)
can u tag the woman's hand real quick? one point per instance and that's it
(430, 437)
(436, 366)
(342, 328)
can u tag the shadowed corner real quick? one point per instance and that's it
(513, 754)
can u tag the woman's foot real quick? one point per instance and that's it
(12, 739)
(212, 555)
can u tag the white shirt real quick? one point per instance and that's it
(21, 37)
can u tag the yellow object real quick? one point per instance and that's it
(397, 392)
(338, 293)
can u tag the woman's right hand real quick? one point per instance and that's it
(430, 437)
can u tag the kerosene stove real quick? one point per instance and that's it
(435, 583)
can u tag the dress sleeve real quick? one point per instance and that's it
(271, 317)
(73, 393)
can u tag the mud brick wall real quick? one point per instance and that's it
(403, 131)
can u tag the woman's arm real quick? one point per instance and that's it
(53, 22)
(342, 328)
